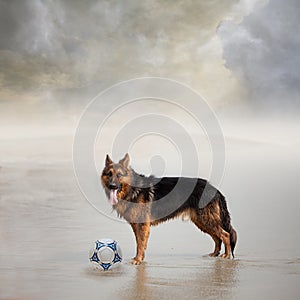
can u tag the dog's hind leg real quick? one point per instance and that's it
(209, 222)
(215, 237)
(225, 237)
(218, 243)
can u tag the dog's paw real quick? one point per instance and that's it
(136, 261)
(224, 255)
(214, 254)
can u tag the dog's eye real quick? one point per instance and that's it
(119, 175)
(109, 173)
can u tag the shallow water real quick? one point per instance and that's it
(47, 228)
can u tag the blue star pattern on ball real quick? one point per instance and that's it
(95, 258)
(105, 266)
(113, 246)
(99, 245)
(117, 258)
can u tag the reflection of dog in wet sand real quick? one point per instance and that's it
(142, 201)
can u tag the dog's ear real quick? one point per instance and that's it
(108, 160)
(125, 161)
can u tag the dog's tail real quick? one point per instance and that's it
(233, 239)
(225, 219)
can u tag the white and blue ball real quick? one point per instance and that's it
(105, 254)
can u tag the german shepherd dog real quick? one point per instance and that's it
(146, 201)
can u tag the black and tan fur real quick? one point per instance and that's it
(138, 202)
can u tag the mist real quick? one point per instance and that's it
(53, 65)
(240, 56)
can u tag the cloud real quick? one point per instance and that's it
(263, 50)
(56, 46)
(56, 55)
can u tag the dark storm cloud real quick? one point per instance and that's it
(70, 44)
(264, 51)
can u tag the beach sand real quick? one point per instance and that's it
(47, 228)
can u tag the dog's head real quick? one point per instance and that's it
(116, 178)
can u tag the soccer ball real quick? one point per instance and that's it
(105, 254)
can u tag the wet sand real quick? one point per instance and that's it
(47, 228)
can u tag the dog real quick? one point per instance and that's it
(147, 201)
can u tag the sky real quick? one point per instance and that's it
(57, 55)
(263, 51)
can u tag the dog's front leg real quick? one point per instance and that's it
(141, 231)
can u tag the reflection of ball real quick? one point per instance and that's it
(105, 254)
